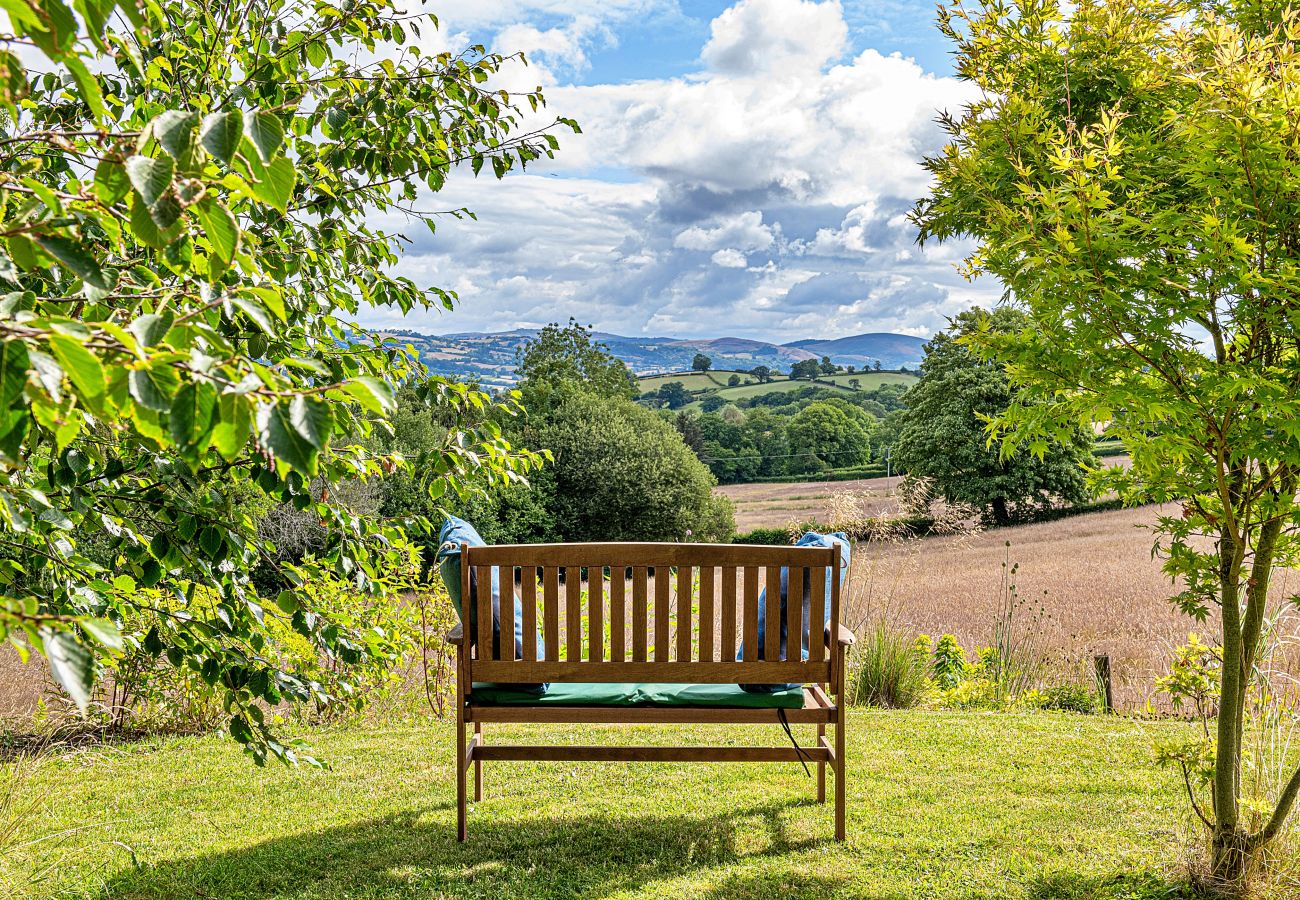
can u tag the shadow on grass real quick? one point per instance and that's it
(415, 854)
(1127, 886)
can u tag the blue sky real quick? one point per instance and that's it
(745, 170)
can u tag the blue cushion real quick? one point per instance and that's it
(810, 539)
(455, 532)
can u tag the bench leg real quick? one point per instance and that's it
(478, 765)
(821, 766)
(841, 764)
(460, 778)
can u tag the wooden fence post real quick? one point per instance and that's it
(1102, 666)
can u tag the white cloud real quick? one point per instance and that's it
(738, 200)
(745, 231)
(729, 258)
(768, 36)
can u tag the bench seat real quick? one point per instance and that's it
(636, 694)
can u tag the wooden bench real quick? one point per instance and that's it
(614, 613)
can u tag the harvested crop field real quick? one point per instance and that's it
(1087, 584)
(780, 504)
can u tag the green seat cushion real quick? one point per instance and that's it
(636, 694)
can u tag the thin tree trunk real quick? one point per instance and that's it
(1000, 513)
(1228, 842)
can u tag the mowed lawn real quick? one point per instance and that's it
(941, 805)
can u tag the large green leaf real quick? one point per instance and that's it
(267, 134)
(151, 177)
(373, 393)
(296, 430)
(192, 415)
(221, 132)
(222, 232)
(74, 257)
(151, 328)
(153, 386)
(176, 131)
(13, 371)
(111, 181)
(71, 664)
(313, 419)
(83, 368)
(233, 428)
(146, 229)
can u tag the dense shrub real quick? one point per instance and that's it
(763, 536)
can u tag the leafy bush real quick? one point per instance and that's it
(763, 536)
(1071, 696)
(889, 669)
(949, 665)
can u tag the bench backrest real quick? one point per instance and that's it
(652, 612)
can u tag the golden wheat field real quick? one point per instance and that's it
(1086, 586)
(777, 505)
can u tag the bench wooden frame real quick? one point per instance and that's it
(678, 618)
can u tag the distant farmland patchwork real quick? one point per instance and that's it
(717, 383)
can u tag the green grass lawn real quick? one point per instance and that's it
(941, 805)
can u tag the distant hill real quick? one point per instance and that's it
(490, 357)
(893, 350)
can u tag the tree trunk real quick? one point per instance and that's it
(1001, 516)
(1229, 853)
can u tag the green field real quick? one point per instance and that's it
(997, 806)
(716, 382)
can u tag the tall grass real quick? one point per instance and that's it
(888, 669)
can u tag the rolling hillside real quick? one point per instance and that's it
(489, 358)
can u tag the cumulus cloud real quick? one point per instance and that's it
(762, 36)
(763, 195)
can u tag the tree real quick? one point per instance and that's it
(855, 383)
(826, 434)
(806, 368)
(564, 360)
(712, 403)
(688, 426)
(876, 365)
(827, 367)
(621, 473)
(762, 374)
(733, 381)
(190, 200)
(943, 430)
(701, 363)
(1129, 175)
(672, 395)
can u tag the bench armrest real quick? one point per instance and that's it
(456, 635)
(845, 637)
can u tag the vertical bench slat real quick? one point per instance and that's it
(639, 576)
(817, 616)
(663, 589)
(706, 614)
(750, 613)
(794, 616)
(573, 613)
(551, 612)
(772, 614)
(507, 576)
(685, 599)
(528, 586)
(596, 613)
(483, 580)
(727, 652)
(617, 613)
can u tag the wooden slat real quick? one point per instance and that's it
(749, 614)
(706, 614)
(576, 753)
(727, 650)
(551, 612)
(685, 627)
(507, 576)
(596, 613)
(639, 624)
(663, 590)
(528, 599)
(817, 617)
(837, 673)
(648, 554)
(483, 577)
(681, 672)
(617, 613)
(772, 615)
(794, 615)
(573, 612)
